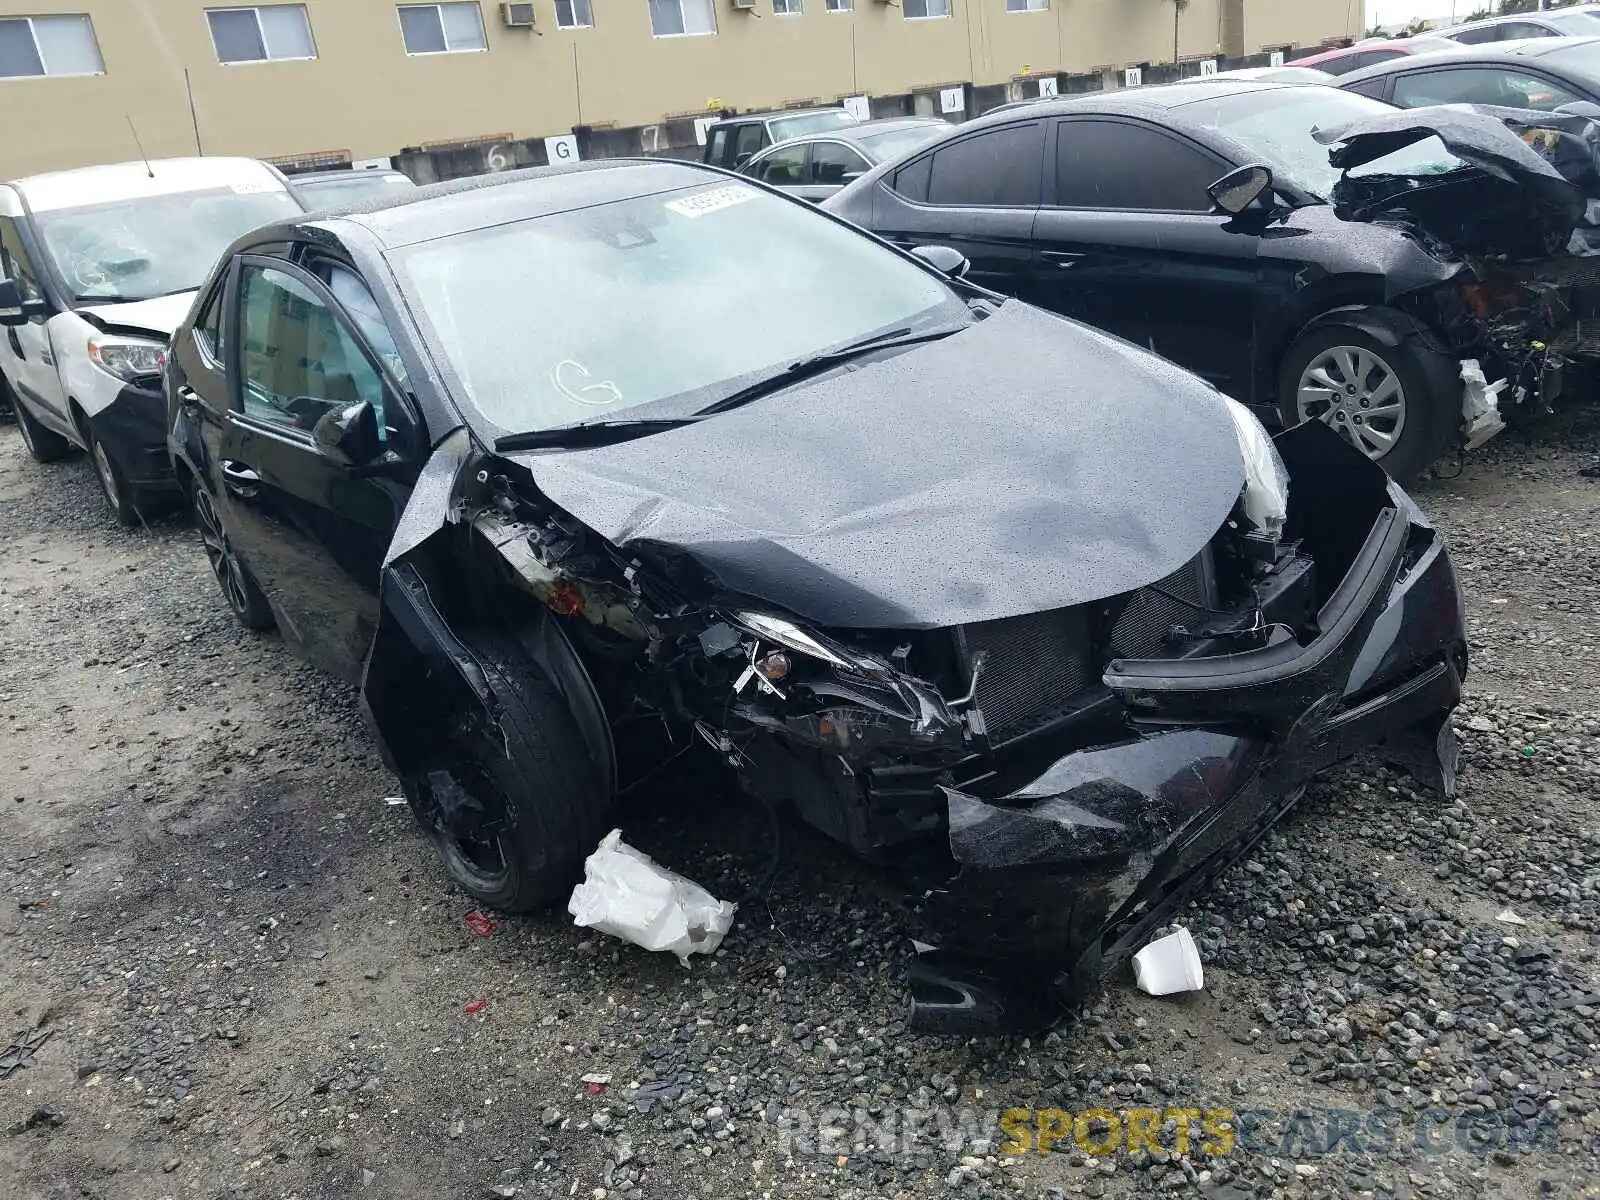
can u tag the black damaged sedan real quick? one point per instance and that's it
(574, 471)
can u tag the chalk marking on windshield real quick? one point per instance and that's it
(576, 395)
(701, 203)
(254, 187)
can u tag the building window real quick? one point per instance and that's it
(676, 18)
(1027, 5)
(268, 33)
(841, 5)
(787, 8)
(442, 28)
(48, 46)
(574, 14)
(917, 10)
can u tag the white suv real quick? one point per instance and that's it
(99, 266)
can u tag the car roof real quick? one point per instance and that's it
(1501, 53)
(859, 132)
(112, 182)
(773, 114)
(1155, 98)
(439, 210)
(1505, 18)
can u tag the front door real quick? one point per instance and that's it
(25, 350)
(979, 194)
(313, 531)
(1127, 242)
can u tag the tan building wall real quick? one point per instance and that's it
(364, 94)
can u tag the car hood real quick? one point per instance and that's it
(159, 316)
(1524, 193)
(1025, 464)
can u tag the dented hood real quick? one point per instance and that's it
(1025, 464)
(1510, 197)
(158, 316)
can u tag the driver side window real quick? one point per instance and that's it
(298, 361)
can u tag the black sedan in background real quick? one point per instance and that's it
(1196, 219)
(817, 165)
(531, 461)
(1543, 74)
(335, 189)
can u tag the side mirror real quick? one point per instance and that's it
(947, 260)
(1238, 190)
(349, 435)
(14, 310)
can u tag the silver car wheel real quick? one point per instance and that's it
(1357, 393)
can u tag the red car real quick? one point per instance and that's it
(1374, 50)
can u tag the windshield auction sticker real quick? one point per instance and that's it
(701, 203)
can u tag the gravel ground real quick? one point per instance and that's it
(253, 979)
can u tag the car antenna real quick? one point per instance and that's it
(148, 169)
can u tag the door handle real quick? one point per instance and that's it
(240, 479)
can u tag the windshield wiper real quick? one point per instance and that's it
(818, 363)
(591, 433)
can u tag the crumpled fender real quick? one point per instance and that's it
(1389, 326)
(419, 670)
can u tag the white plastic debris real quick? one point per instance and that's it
(1266, 494)
(1169, 964)
(624, 893)
(1480, 404)
(1509, 918)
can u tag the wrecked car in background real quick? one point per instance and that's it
(1206, 221)
(908, 561)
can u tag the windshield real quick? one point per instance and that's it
(154, 246)
(586, 315)
(357, 189)
(784, 128)
(1276, 127)
(892, 143)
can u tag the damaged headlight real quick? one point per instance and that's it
(127, 358)
(1266, 487)
(786, 633)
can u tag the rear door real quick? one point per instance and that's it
(1127, 241)
(313, 532)
(980, 194)
(25, 350)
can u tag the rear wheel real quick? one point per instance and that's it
(44, 444)
(239, 588)
(520, 804)
(1398, 405)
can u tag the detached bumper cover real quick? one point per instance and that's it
(133, 429)
(1075, 867)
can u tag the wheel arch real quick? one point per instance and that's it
(421, 668)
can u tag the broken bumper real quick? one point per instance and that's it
(1063, 877)
(133, 429)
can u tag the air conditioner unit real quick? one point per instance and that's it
(517, 16)
(746, 5)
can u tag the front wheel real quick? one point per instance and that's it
(124, 501)
(1398, 405)
(518, 804)
(45, 445)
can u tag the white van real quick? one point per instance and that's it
(100, 265)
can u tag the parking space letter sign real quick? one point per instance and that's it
(563, 149)
(701, 126)
(858, 107)
(1133, 77)
(1277, 58)
(951, 100)
(1047, 87)
(1208, 67)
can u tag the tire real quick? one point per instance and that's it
(239, 588)
(527, 801)
(44, 444)
(122, 498)
(1414, 387)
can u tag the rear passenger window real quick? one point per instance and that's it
(1119, 166)
(784, 167)
(911, 180)
(1476, 37)
(1001, 168)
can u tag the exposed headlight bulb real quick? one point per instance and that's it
(1266, 487)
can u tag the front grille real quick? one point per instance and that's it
(1037, 665)
(1143, 629)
